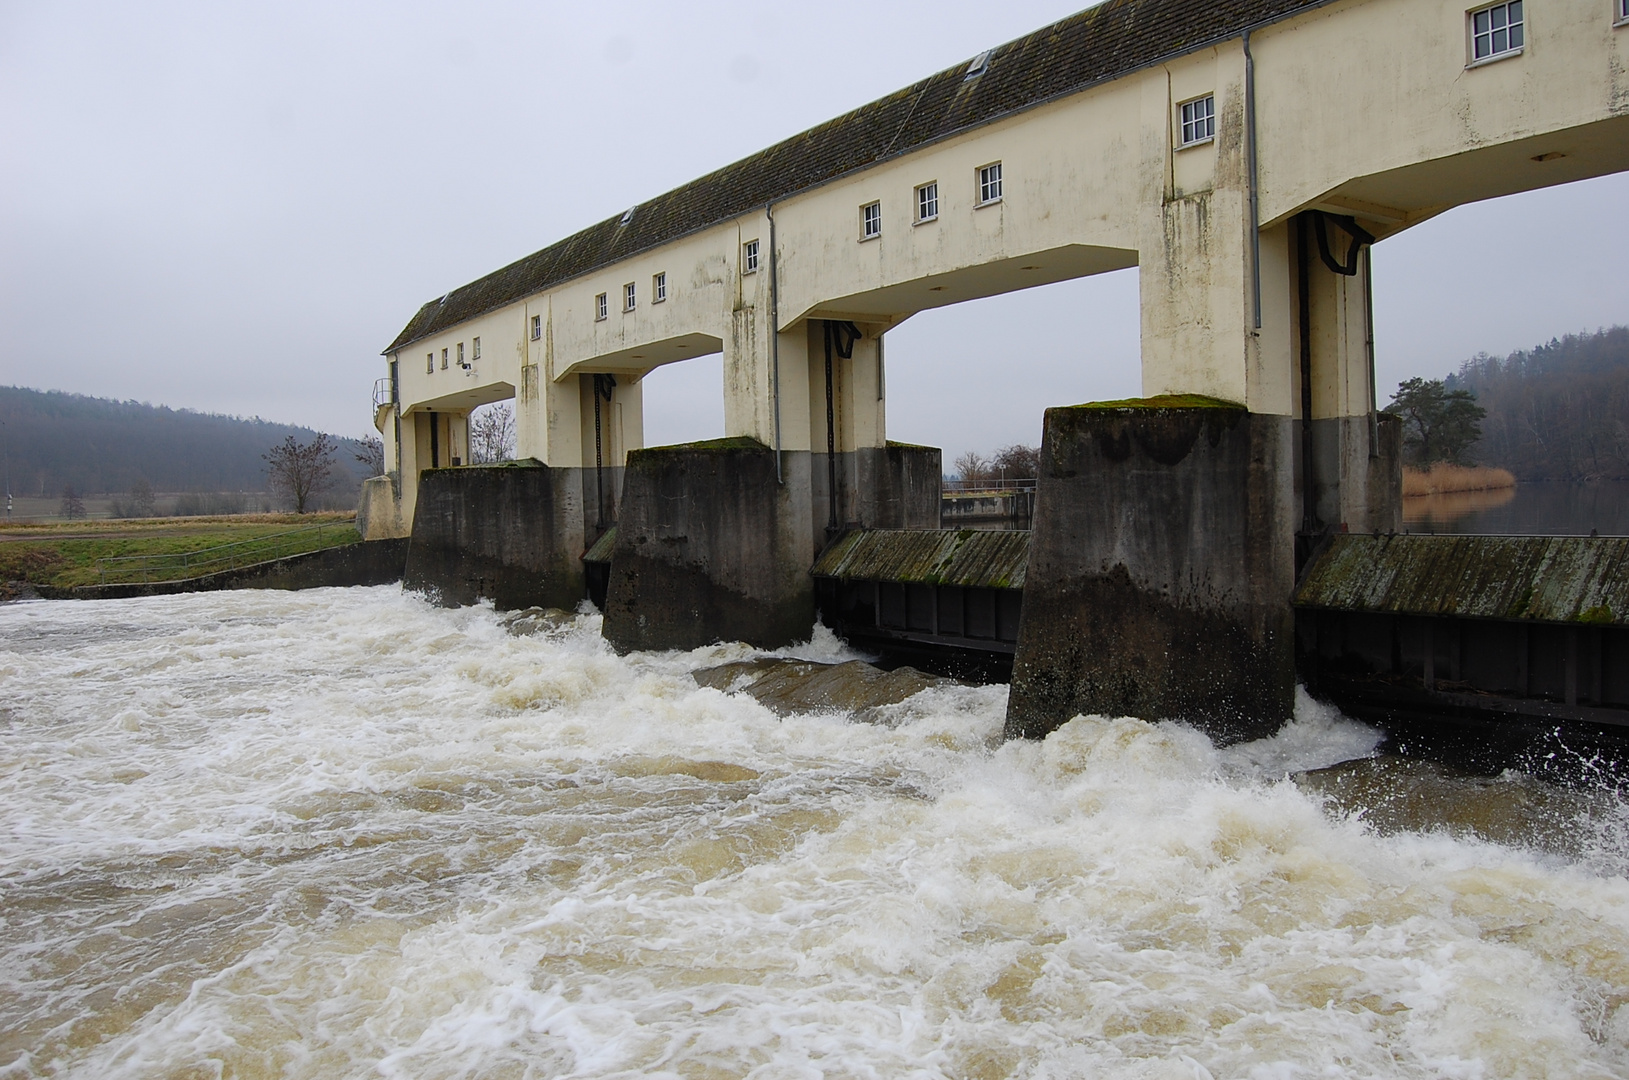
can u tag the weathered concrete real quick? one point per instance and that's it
(379, 510)
(1160, 570)
(371, 562)
(1357, 474)
(510, 533)
(711, 548)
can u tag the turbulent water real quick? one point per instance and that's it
(342, 833)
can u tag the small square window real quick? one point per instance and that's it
(1199, 120)
(871, 221)
(749, 257)
(628, 297)
(443, 359)
(430, 363)
(990, 184)
(537, 327)
(658, 288)
(475, 349)
(927, 202)
(1497, 31)
(599, 307)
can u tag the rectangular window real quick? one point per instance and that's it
(1622, 13)
(1199, 120)
(990, 184)
(430, 363)
(749, 257)
(628, 297)
(1496, 30)
(475, 349)
(658, 288)
(537, 327)
(599, 307)
(871, 221)
(461, 355)
(927, 202)
(443, 359)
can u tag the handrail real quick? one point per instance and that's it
(381, 393)
(180, 565)
(969, 487)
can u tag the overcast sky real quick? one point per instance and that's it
(234, 208)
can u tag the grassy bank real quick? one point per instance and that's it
(1445, 479)
(65, 554)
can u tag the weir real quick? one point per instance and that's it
(1193, 141)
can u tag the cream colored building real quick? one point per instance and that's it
(1174, 135)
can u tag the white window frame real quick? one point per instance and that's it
(600, 308)
(537, 328)
(927, 202)
(1620, 16)
(1510, 30)
(444, 359)
(870, 221)
(461, 355)
(475, 350)
(658, 287)
(630, 297)
(749, 257)
(1196, 121)
(430, 362)
(989, 183)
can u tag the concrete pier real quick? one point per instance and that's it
(1161, 569)
(509, 533)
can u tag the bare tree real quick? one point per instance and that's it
(300, 470)
(492, 433)
(372, 455)
(72, 505)
(1017, 462)
(972, 468)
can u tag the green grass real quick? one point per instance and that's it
(1163, 401)
(65, 555)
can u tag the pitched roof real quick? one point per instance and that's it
(1083, 50)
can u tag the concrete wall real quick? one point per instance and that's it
(379, 510)
(1159, 572)
(509, 533)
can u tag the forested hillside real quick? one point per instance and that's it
(1556, 412)
(53, 440)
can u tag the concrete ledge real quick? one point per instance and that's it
(371, 562)
(1160, 570)
(509, 533)
(710, 548)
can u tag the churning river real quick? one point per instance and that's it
(342, 833)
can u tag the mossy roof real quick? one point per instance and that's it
(967, 557)
(1556, 579)
(1094, 46)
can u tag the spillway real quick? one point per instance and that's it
(344, 833)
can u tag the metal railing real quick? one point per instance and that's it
(178, 566)
(381, 393)
(969, 487)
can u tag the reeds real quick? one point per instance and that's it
(1443, 479)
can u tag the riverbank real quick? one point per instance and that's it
(1443, 478)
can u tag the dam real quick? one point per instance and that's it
(1190, 140)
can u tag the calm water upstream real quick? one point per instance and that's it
(341, 833)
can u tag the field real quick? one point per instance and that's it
(66, 554)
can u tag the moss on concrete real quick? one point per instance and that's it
(1599, 615)
(716, 446)
(1163, 401)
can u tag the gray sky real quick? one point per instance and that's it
(234, 208)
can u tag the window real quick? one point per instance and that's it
(1497, 31)
(537, 327)
(1199, 120)
(475, 349)
(461, 355)
(990, 184)
(871, 221)
(1621, 14)
(658, 288)
(443, 359)
(430, 363)
(628, 297)
(749, 257)
(599, 307)
(927, 202)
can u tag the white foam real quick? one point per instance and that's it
(345, 833)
